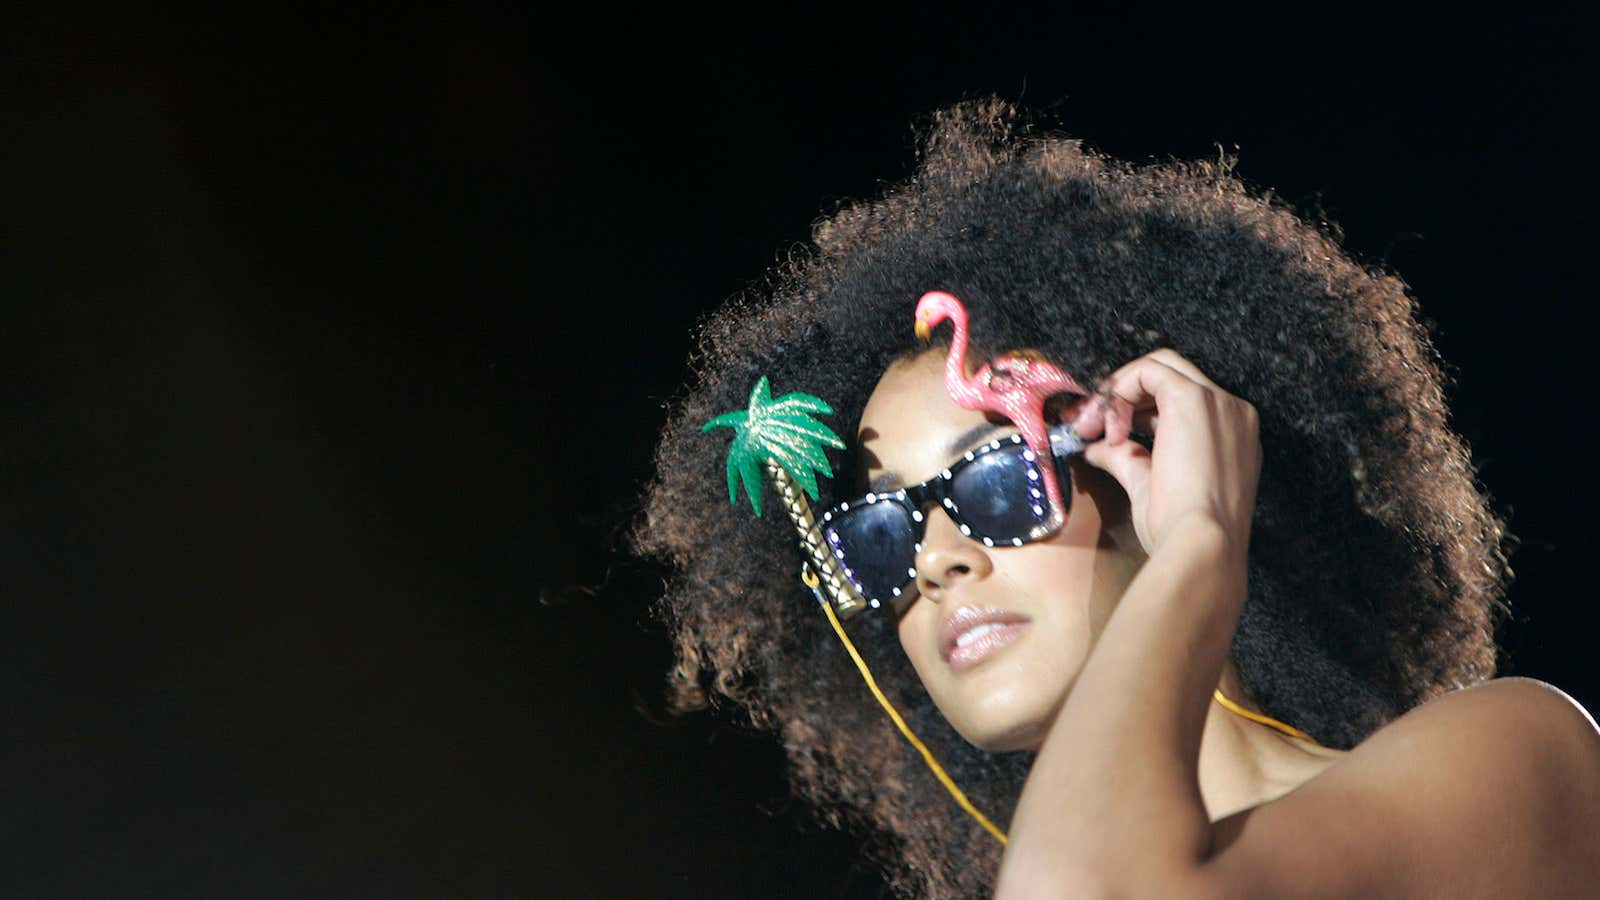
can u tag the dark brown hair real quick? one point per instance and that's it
(1377, 565)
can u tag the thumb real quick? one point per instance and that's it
(1127, 461)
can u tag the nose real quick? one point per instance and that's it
(947, 557)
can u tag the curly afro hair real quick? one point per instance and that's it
(1377, 566)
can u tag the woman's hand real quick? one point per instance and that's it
(1207, 453)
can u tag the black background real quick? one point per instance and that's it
(335, 342)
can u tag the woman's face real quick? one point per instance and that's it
(1050, 599)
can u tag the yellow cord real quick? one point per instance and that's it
(812, 581)
(1268, 721)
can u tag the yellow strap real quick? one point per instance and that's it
(812, 581)
(1268, 721)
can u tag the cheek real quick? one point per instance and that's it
(917, 628)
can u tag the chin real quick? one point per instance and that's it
(1026, 738)
(1008, 726)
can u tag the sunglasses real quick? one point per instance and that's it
(995, 494)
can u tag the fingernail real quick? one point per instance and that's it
(1086, 414)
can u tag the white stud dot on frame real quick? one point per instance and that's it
(994, 444)
(872, 498)
(968, 456)
(1016, 542)
(916, 515)
(918, 547)
(948, 504)
(873, 603)
(946, 474)
(1016, 439)
(988, 542)
(911, 572)
(966, 531)
(896, 591)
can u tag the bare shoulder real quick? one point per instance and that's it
(1491, 790)
(1507, 734)
(1521, 712)
(1505, 771)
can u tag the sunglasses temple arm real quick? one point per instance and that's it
(846, 599)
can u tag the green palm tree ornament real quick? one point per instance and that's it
(781, 438)
(779, 430)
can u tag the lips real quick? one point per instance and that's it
(971, 633)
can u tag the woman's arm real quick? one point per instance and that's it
(1113, 801)
(1114, 795)
(1484, 791)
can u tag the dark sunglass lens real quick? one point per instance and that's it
(1001, 494)
(876, 543)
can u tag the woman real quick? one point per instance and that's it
(1250, 655)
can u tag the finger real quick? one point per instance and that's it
(1117, 412)
(1139, 382)
(1069, 412)
(1145, 385)
(1085, 418)
(1176, 360)
(1107, 413)
(1127, 462)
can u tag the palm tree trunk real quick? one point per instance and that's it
(847, 601)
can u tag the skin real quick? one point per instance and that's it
(1066, 585)
(1130, 611)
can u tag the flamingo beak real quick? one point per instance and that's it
(924, 332)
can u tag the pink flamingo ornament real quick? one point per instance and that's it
(1015, 385)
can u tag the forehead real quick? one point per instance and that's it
(909, 421)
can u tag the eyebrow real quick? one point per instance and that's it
(890, 480)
